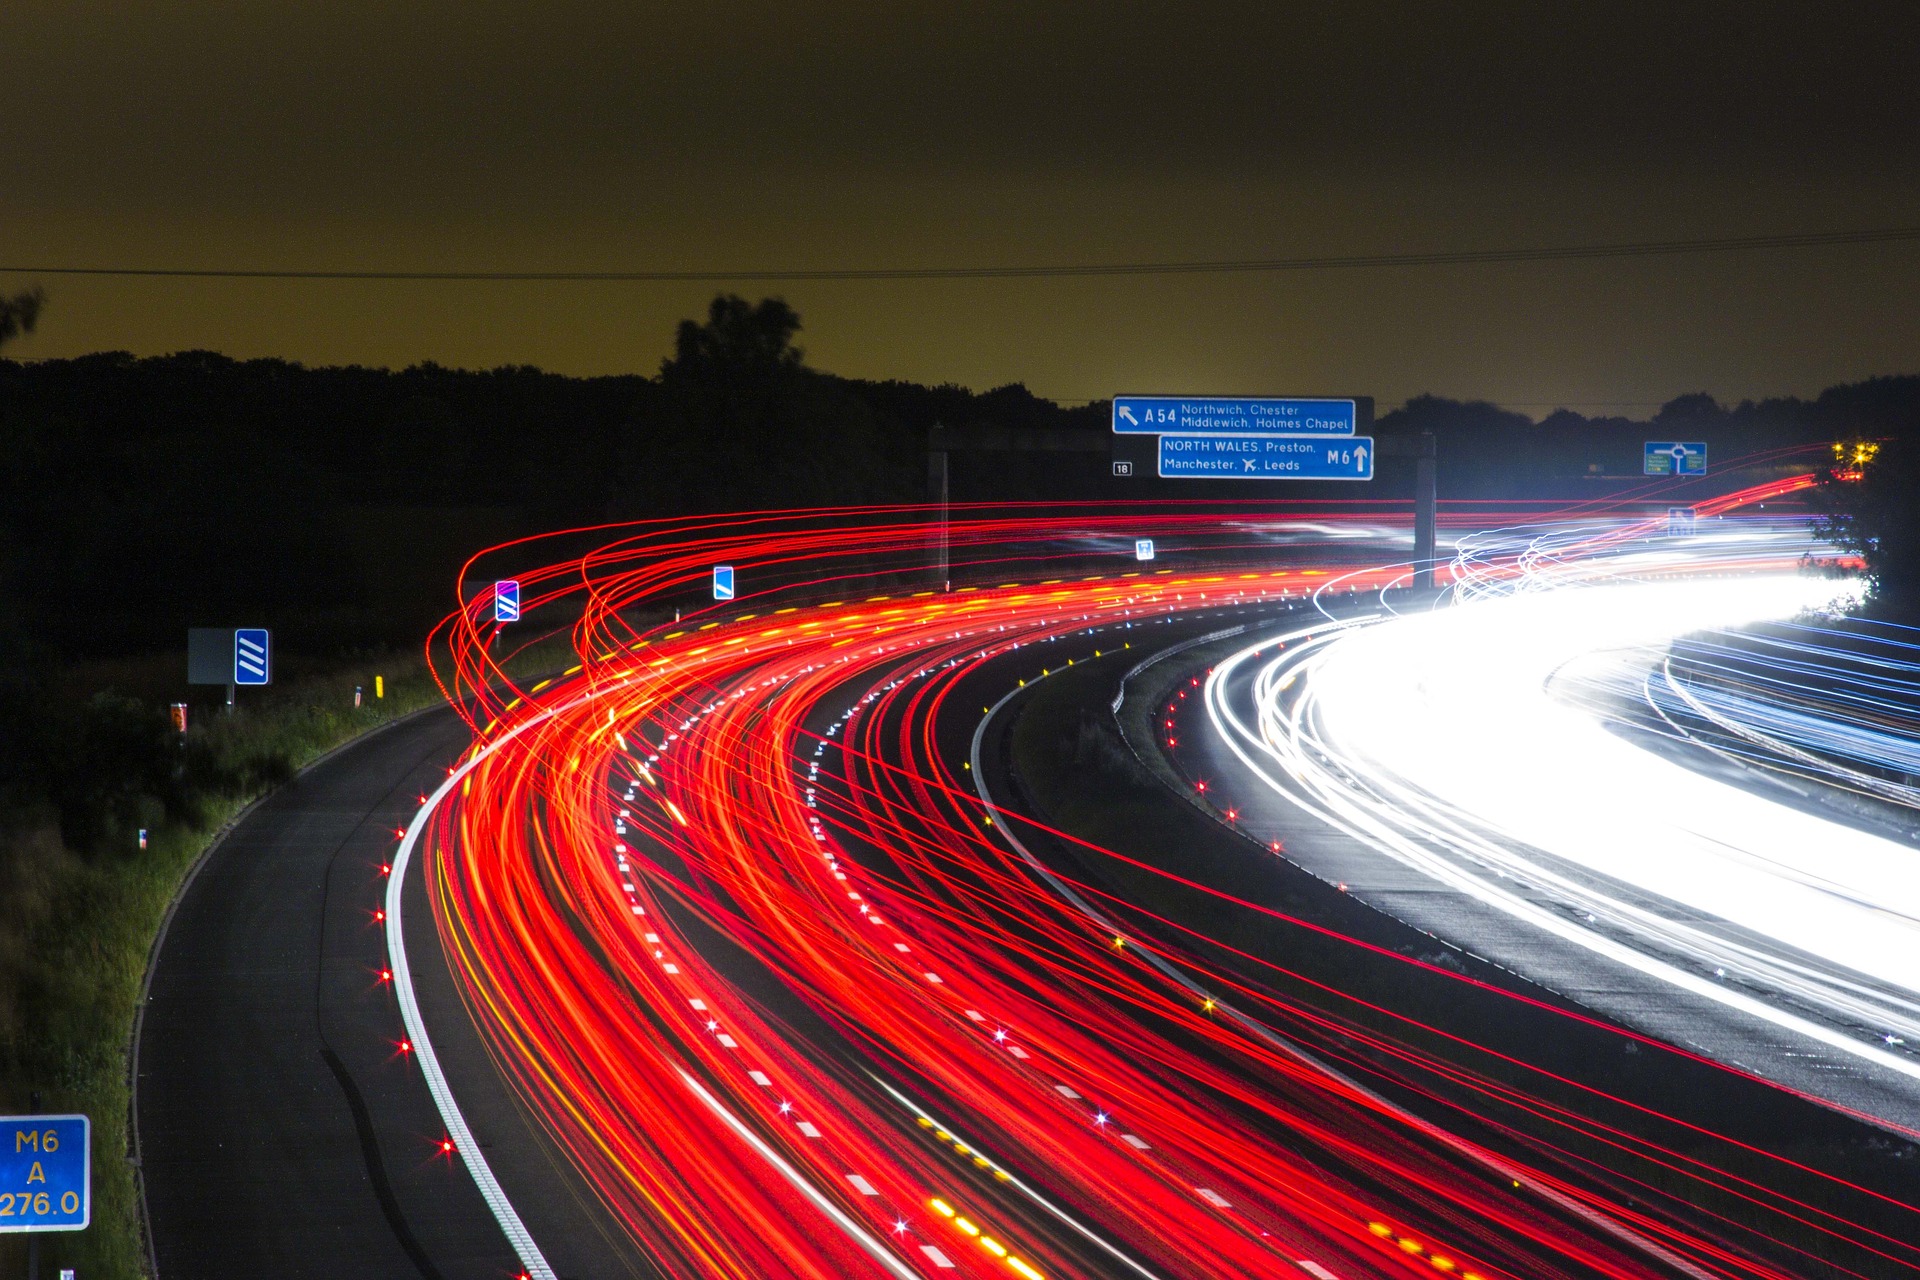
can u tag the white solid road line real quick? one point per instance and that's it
(504, 1213)
(1462, 771)
(1460, 1146)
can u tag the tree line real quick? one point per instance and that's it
(140, 496)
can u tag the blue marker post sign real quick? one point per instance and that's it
(46, 1181)
(723, 582)
(252, 656)
(1674, 458)
(1210, 416)
(1143, 548)
(1257, 458)
(506, 601)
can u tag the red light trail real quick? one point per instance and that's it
(735, 925)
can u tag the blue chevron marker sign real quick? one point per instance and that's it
(506, 601)
(252, 656)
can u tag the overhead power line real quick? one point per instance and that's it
(1335, 262)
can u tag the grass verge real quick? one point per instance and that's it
(77, 932)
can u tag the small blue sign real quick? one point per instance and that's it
(506, 601)
(1675, 458)
(1681, 522)
(1143, 548)
(1208, 416)
(252, 656)
(46, 1169)
(1265, 458)
(723, 582)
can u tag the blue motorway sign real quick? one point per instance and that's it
(506, 601)
(1265, 458)
(723, 582)
(46, 1169)
(1675, 458)
(1210, 416)
(1143, 548)
(1200, 415)
(252, 656)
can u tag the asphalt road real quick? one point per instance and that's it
(282, 1132)
(1576, 973)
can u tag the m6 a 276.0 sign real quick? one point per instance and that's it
(45, 1173)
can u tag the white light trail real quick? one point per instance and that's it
(1465, 743)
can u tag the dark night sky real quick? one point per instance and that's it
(616, 135)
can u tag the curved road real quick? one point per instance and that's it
(741, 977)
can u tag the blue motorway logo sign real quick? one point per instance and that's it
(1270, 458)
(46, 1169)
(506, 601)
(1210, 416)
(1675, 458)
(252, 656)
(723, 582)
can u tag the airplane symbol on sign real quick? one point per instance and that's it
(1247, 463)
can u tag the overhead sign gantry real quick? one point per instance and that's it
(1246, 437)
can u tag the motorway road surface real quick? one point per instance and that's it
(282, 1132)
(730, 972)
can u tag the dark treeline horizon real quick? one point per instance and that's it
(143, 495)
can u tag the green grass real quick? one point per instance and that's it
(76, 933)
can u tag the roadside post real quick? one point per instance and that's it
(985, 438)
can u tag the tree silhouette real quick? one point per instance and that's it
(19, 314)
(740, 340)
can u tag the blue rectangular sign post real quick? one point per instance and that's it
(1674, 458)
(1143, 548)
(1211, 416)
(1265, 458)
(46, 1169)
(723, 582)
(506, 601)
(252, 656)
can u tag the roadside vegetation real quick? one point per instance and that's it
(81, 901)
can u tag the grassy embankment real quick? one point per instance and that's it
(76, 931)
